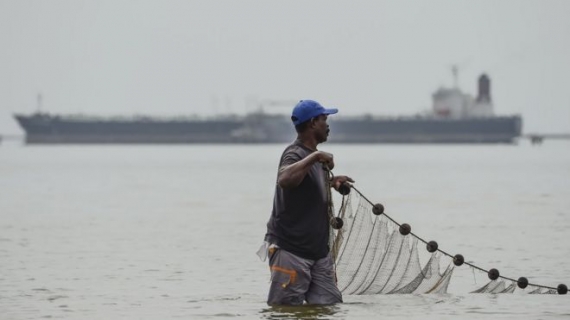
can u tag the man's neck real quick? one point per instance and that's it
(308, 142)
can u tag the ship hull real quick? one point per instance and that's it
(428, 130)
(124, 139)
(45, 129)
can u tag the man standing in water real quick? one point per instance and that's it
(302, 269)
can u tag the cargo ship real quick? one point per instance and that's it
(455, 117)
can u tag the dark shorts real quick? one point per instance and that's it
(295, 280)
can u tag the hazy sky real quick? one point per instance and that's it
(211, 57)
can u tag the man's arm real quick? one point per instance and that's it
(291, 175)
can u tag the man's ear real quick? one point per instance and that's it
(313, 121)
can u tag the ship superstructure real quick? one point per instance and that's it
(456, 117)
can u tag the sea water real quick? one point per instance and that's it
(170, 232)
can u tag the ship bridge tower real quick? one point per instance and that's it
(451, 102)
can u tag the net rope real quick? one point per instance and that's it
(374, 256)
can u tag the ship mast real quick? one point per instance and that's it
(39, 101)
(455, 72)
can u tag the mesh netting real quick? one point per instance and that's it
(374, 257)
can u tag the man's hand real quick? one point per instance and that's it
(325, 158)
(337, 181)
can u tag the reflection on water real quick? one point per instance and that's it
(300, 312)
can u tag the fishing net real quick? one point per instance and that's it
(376, 255)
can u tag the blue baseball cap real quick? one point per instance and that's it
(305, 110)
